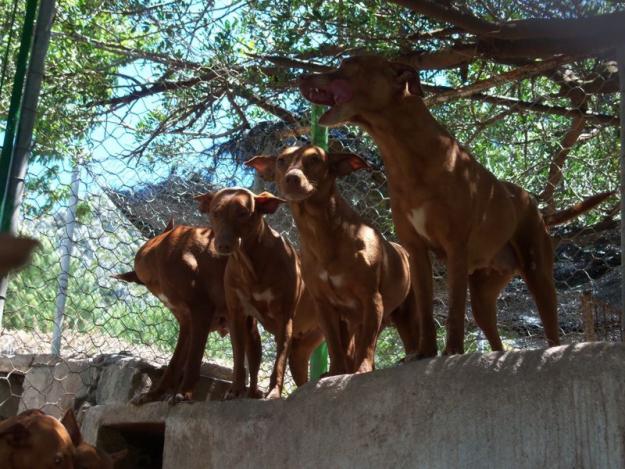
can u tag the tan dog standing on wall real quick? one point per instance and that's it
(444, 201)
(356, 277)
(262, 282)
(182, 269)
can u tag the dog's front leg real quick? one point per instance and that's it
(457, 279)
(254, 354)
(421, 277)
(283, 345)
(237, 337)
(373, 311)
(329, 320)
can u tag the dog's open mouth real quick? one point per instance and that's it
(336, 92)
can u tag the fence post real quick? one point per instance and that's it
(14, 188)
(6, 156)
(621, 74)
(319, 137)
(67, 244)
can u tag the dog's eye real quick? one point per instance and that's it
(281, 162)
(314, 159)
(241, 214)
(58, 460)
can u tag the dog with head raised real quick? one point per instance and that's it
(444, 201)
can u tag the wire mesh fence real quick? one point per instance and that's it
(143, 155)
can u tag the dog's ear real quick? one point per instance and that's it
(170, 225)
(341, 164)
(266, 202)
(71, 425)
(15, 252)
(406, 75)
(204, 201)
(15, 435)
(264, 165)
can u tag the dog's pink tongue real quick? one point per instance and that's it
(341, 91)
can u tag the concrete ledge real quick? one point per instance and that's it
(557, 408)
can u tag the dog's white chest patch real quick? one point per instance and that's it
(246, 304)
(266, 296)
(336, 280)
(189, 259)
(417, 220)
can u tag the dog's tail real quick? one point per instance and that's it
(130, 277)
(576, 210)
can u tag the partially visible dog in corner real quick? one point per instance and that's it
(34, 440)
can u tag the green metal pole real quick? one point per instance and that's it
(319, 137)
(6, 155)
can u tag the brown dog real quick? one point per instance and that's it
(87, 456)
(34, 440)
(14, 252)
(182, 269)
(262, 282)
(443, 200)
(355, 276)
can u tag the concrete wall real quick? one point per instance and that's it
(560, 408)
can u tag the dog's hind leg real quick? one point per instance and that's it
(406, 321)
(301, 350)
(172, 375)
(537, 269)
(200, 326)
(485, 286)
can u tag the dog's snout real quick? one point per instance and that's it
(293, 179)
(224, 246)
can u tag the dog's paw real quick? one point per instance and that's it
(365, 367)
(234, 394)
(144, 398)
(254, 393)
(428, 352)
(453, 350)
(179, 398)
(273, 394)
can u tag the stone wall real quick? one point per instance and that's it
(54, 384)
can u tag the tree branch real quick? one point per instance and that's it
(606, 25)
(557, 162)
(513, 75)
(274, 109)
(287, 62)
(601, 119)
(442, 13)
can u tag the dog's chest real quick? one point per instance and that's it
(334, 288)
(257, 303)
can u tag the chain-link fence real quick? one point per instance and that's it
(143, 156)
